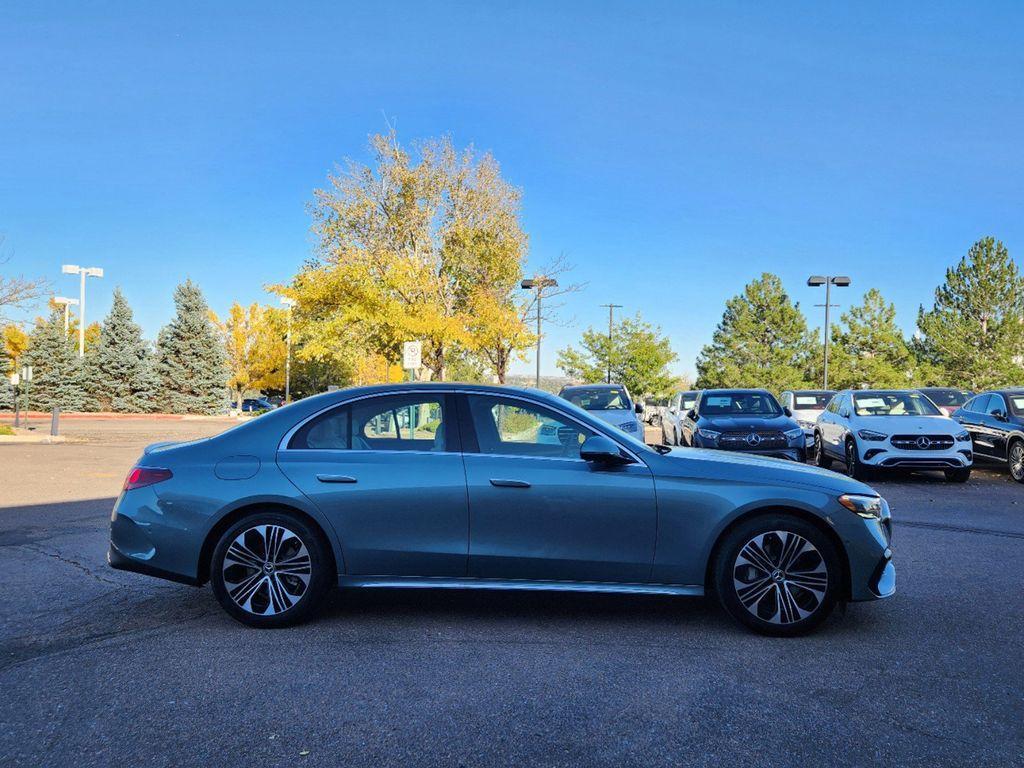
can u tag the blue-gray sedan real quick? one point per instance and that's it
(466, 486)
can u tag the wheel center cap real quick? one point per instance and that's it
(268, 567)
(778, 575)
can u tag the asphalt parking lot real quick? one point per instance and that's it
(100, 667)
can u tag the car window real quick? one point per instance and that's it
(980, 403)
(389, 423)
(995, 403)
(515, 428)
(599, 399)
(894, 404)
(739, 404)
(812, 400)
(1017, 404)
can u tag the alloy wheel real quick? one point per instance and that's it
(267, 570)
(780, 577)
(1017, 461)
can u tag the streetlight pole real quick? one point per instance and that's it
(538, 283)
(67, 304)
(840, 281)
(289, 303)
(83, 272)
(611, 321)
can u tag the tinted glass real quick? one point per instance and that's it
(1017, 404)
(599, 399)
(995, 403)
(329, 432)
(894, 404)
(945, 396)
(739, 404)
(689, 400)
(980, 404)
(516, 428)
(391, 423)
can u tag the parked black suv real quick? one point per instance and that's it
(747, 420)
(996, 423)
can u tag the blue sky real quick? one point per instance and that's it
(673, 151)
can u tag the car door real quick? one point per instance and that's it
(832, 427)
(996, 424)
(388, 473)
(972, 417)
(538, 511)
(687, 425)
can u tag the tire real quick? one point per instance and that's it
(961, 475)
(263, 592)
(854, 468)
(820, 457)
(796, 594)
(1015, 460)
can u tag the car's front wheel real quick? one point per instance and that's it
(778, 575)
(820, 457)
(270, 570)
(1015, 457)
(854, 467)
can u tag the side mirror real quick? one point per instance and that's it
(1000, 415)
(602, 450)
(844, 413)
(692, 414)
(788, 412)
(638, 408)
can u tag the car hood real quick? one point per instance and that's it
(909, 425)
(746, 423)
(614, 417)
(732, 466)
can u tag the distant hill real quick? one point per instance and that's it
(547, 383)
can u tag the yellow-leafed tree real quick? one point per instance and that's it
(254, 339)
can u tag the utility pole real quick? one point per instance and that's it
(67, 304)
(538, 283)
(289, 303)
(83, 272)
(840, 281)
(611, 322)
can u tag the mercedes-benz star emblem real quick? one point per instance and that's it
(923, 442)
(753, 438)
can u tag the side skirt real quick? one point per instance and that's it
(437, 582)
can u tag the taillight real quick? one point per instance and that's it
(140, 477)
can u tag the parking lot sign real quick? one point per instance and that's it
(412, 355)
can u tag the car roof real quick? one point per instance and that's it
(570, 387)
(728, 390)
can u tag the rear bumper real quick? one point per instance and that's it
(121, 562)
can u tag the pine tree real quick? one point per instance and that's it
(974, 334)
(6, 369)
(762, 341)
(57, 372)
(120, 372)
(190, 357)
(868, 348)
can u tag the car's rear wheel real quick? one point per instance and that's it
(778, 575)
(270, 570)
(961, 475)
(820, 458)
(1015, 457)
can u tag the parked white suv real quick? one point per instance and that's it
(806, 406)
(897, 429)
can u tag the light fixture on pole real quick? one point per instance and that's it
(67, 304)
(84, 272)
(538, 283)
(611, 322)
(289, 303)
(839, 281)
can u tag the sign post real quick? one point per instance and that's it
(16, 383)
(412, 358)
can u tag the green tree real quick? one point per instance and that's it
(868, 348)
(761, 341)
(638, 355)
(119, 373)
(190, 357)
(6, 390)
(974, 334)
(58, 378)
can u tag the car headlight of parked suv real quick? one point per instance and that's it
(870, 436)
(869, 507)
(793, 434)
(708, 434)
(963, 437)
(805, 424)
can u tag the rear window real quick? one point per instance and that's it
(814, 400)
(599, 399)
(952, 398)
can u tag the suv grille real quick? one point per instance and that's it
(752, 440)
(922, 442)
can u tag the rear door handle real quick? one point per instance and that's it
(497, 482)
(335, 478)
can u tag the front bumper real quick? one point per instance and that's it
(885, 456)
(868, 544)
(790, 453)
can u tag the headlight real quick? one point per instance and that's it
(963, 437)
(874, 437)
(629, 426)
(710, 434)
(805, 424)
(869, 507)
(793, 434)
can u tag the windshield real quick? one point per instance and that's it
(599, 399)
(739, 404)
(894, 404)
(948, 397)
(811, 400)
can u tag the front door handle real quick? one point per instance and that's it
(336, 478)
(497, 482)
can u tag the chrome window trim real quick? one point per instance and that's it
(282, 445)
